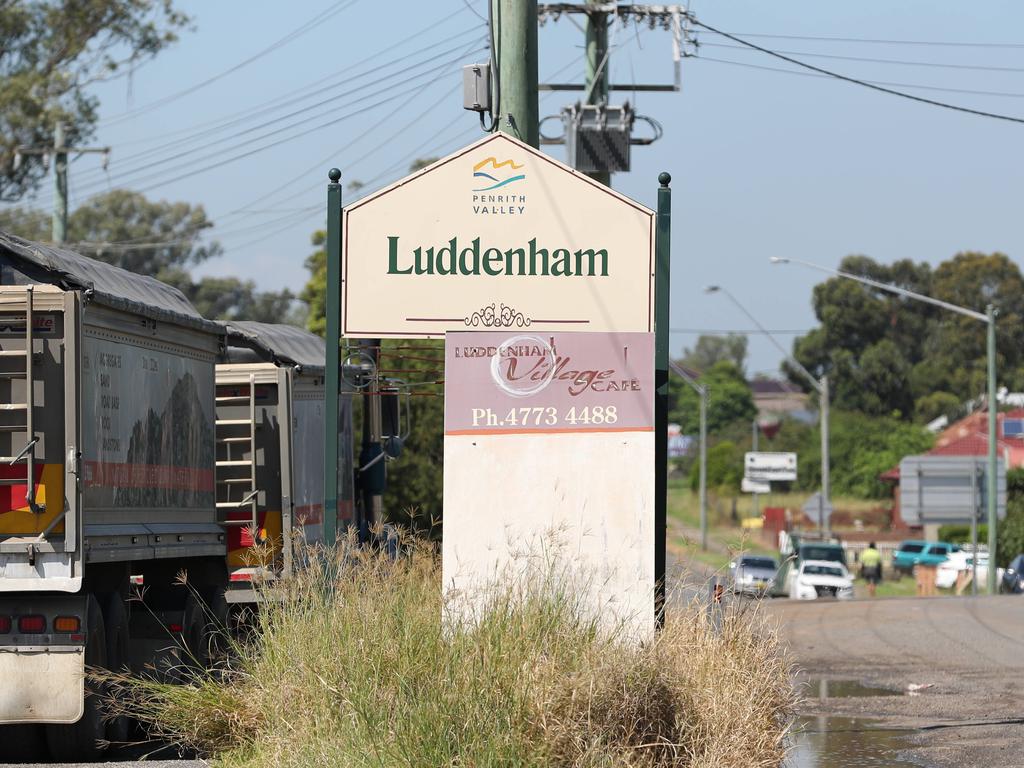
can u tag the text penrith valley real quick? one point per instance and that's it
(449, 259)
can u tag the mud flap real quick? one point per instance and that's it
(42, 686)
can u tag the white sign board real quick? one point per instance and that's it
(752, 486)
(769, 467)
(496, 236)
(549, 459)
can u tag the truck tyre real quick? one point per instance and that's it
(115, 619)
(82, 740)
(204, 628)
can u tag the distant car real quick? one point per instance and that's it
(753, 574)
(821, 550)
(913, 553)
(819, 579)
(1013, 576)
(957, 561)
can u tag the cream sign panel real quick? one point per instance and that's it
(549, 459)
(496, 236)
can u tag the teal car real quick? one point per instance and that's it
(913, 552)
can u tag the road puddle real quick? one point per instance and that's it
(843, 689)
(847, 742)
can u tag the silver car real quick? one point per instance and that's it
(753, 574)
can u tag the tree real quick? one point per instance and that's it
(886, 354)
(711, 349)
(729, 399)
(50, 51)
(314, 294)
(163, 240)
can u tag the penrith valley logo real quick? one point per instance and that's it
(490, 171)
(491, 181)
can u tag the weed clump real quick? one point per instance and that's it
(350, 664)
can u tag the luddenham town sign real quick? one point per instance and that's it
(496, 236)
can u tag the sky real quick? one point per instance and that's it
(764, 163)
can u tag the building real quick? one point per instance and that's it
(775, 397)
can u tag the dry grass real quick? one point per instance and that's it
(353, 668)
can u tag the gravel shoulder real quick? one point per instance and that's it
(969, 651)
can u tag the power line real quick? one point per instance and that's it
(742, 331)
(901, 62)
(293, 92)
(825, 38)
(855, 81)
(145, 168)
(943, 89)
(295, 34)
(200, 160)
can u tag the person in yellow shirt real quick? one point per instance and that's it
(871, 567)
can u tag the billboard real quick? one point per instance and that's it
(497, 236)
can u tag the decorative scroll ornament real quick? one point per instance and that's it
(489, 317)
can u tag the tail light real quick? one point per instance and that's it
(67, 624)
(5, 625)
(32, 625)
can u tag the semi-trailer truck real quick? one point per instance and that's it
(123, 466)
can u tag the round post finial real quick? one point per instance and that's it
(334, 175)
(664, 178)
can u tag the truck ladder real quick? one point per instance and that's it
(229, 462)
(28, 453)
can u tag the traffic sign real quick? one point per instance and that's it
(817, 511)
(752, 486)
(769, 466)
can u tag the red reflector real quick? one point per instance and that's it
(77, 638)
(174, 627)
(31, 625)
(66, 624)
(240, 577)
(5, 625)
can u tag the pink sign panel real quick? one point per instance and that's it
(506, 382)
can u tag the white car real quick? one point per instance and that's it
(821, 578)
(945, 576)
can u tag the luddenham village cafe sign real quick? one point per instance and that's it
(543, 282)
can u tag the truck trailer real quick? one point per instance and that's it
(270, 405)
(121, 527)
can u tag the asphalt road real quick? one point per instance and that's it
(969, 650)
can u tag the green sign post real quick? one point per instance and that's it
(332, 372)
(662, 276)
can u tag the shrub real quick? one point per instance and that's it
(354, 668)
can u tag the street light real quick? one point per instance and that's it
(819, 385)
(702, 391)
(988, 317)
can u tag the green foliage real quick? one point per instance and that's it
(107, 226)
(50, 52)
(1010, 533)
(315, 293)
(415, 489)
(961, 534)
(713, 349)
(729, 399)
(725, 468)
(936, 404)
(887, 355)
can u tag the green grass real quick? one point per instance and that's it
(354, 668)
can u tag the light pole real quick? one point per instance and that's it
(702, 392)
(988, 317)
(819, 385)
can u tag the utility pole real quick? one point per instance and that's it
(596, 86)
(826, 482)
(59, 150)
(753, 447)
(514, 35)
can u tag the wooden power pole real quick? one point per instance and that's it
(514, 28)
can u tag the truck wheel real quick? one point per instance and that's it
(204, 628)
(81, 741)
(115, 619)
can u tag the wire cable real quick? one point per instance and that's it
(862, 83)
(295, 34)
(901, 62)
(943, 89)
(825, 38)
